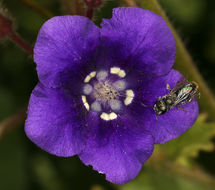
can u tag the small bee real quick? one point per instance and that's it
(182, 93)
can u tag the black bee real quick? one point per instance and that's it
(182, 93)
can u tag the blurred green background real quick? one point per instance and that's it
(186, 163)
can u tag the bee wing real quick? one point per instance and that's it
(182, 81)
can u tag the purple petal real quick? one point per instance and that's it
(174, 122)
(53, 122)
(139, 38)
(64, 43)
(117, 148)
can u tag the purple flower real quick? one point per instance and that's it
(93, 83)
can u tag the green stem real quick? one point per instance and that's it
(184, 62)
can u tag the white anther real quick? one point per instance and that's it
(101, 75)
(84, 100)
(87, 89)
(129, 97)
(90, 76)
(93, 74)
(114, 70)
(112, 116)
(95, 106)
(130, 93)
(115, 104)
(117, 71)
(119, 85)
(105, 116)
(87, 79)
(122, 73)
(108, 117)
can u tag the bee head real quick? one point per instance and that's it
(160, 107)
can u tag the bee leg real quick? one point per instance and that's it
(156, 117)
(179, 107)
(144, 105)
(198, 95)
(167, 86)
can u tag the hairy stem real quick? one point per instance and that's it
(21, 43)
(74, 7)
(184, 62)
(42, 11)
(13, 121)
(90, 11)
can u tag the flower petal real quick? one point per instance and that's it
(174, 122)
(140, 38)
(117, 148)
(53, 122)
(64, 43)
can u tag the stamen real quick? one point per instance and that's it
(95, 106)
(90, 76)
(116, 70)
(129, 97)
(87, 89)
(84, 100)
(122, 73)
(101, 75)
(104, 116)
(112, 116)
(115, 104)
(93, 74)
(108, 117)
(119, 85)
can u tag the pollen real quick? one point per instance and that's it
(95, 106)
(119, 85)
(105, 92)
(101, 75)
(115, 104)
(87, 89)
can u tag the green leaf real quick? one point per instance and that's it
(151, 179)
(188, 145)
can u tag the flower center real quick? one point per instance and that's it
(106, 93)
